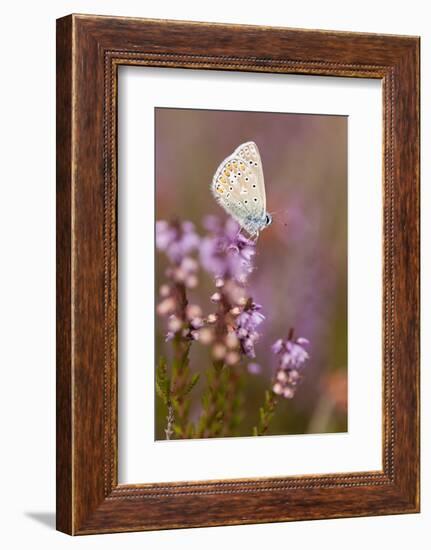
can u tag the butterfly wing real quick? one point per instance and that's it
(239, 187)
(249, 153)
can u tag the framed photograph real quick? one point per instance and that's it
(237, 274)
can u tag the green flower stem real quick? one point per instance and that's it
(266, 412)
(179, 384)
(234, 401)
(182, 381)
(211, 421)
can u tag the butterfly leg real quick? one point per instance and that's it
(239, 232)
(252, 239)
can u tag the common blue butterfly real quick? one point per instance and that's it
(239, 187)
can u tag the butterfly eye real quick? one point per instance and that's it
(245, 202)
(250, 161)
(255, 199)
(254, 186)
(230, 188)
(255, 163)
(246, 179)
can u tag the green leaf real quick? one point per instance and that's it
(178, 430)
(163, 383)
(191, 384)
(262, 414)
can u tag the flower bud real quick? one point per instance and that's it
(219, 351)
(193, 311)
(288, 393)
(164, 291)
(294, 375)
(166, 306)
(189, 265)
(197, 322)
(242, 332)
(191, 281)
(179, 275)
(206, 335)
(282, 376)
(232, 358)
(174, 324)
(231, 340)
(277, 388)
(254, 368)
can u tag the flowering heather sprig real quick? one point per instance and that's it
(218, 329)
(225, 252)
(178, 241)
(187, 327)
(246, 327)
(292, 355)
(230, 329)
(228, 255)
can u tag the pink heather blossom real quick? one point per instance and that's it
(291, 355)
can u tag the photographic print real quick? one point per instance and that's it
(251, 273)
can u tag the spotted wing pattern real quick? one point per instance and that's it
(239, 187)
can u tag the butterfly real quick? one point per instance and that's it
(239, 187)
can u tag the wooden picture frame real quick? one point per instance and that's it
(89, 52)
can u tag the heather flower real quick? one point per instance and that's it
(166, 306)
(185, 272)
(205, 335)
(254, 368)
(226, 253)
(188, 327)
(193, 312)
(292, 355)
(177, 240)
(228, 256)
(219, 351)
(246, 327)
(230, 331)
(232, 358)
